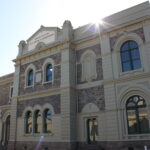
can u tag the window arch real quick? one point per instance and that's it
(38, 121)
(30, 77)
(47, 120)
(28, 122)
(137, 116)
(130, 56)
(48, 72)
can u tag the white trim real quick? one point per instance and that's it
(46, 62)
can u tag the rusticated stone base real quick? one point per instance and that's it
(109, 145)
(45, 146)
(112, 145)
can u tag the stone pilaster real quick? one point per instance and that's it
(13, 124)
(68, 93)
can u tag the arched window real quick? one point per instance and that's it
(47, 121)
(38, 121)
(30, 78)
(49, 72)
(137, 116)
(29, 122)
(130, 57)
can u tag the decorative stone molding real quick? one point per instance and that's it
(88, 61)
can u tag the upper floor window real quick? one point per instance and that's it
(30, 78)
(49, 72)
(137, 116)
(130, 57)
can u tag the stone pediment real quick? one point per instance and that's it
(45, 35)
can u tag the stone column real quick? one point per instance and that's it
(13, 119)
(68, 93)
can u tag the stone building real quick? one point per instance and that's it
(81, 89)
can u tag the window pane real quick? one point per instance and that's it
(136, 64)
(30, 78)
(38, 122)
(92, 130)
(48, 121)
(143, 118)
(49, 71)
(125, 56)
(137, 115)
(125, 47)
(132, 121)
(126, 66)
(29, 122)
(135, 54)
(133, 44)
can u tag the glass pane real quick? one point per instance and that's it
(131, 104)
(47, 121)
(135, 54)
(125, 56)
(29, 122)
(38, 122)
(143, 118)
(136, 64)
(126, 66)
(125, 47)
(135, 98)
(30, 77)
(49, 72)
(92, 130)
(141, 103)
(133, 44)
(132, 121)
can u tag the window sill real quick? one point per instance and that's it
(38, 134)
(132, 72)
(138, 136)
(47, 82)
(31, 86)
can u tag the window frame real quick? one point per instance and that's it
(28, 69)
(137, 115)
(129, 51)
(44, 121)
(47, 62)
(47, 72)
(26, 122)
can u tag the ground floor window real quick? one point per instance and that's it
(6, 131)
(92, 130)
(137, 115)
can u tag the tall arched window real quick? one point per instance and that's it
(49, 72)
(38, 121)
(30, 78)
(47, 121)
(137, 116)
(29, 122)
(130, 57)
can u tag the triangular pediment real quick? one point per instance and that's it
(44, 35)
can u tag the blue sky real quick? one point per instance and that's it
(19, 19)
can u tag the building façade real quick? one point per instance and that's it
(81, 89)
